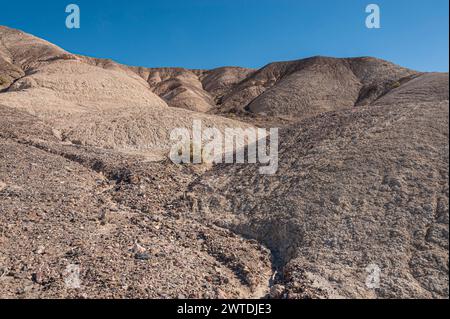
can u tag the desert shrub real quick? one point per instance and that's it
(3, 80)
(191, 146)
(395, 85)
(63, 56)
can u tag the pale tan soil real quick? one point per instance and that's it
(85, 179)
(93, 102)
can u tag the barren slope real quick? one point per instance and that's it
(63, 205)
(196, 90)
(93, 101)
(311, 86)
(429, 87)
(360, 187)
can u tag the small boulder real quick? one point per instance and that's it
(277, 292)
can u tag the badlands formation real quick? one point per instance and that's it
(91, 206)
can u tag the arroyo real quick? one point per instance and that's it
(212, 146)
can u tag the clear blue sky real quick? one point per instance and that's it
(251, 33)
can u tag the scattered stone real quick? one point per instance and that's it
(221, 294)
(142, 256)
(38, 277)
(40, 250)
(138, 249)
(393, 182)
(277, 292)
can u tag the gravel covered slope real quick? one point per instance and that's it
(64, 206)
(360, 187)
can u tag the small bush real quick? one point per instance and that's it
(191, 145)
(3, 80)
(395, 85)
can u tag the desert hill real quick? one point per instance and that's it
(85, 180)
(89, 101)
(354, 188)
(296, 89)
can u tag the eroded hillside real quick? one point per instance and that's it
(85, 181)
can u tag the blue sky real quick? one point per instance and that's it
(250, 33)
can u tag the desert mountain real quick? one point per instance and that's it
(197, 90)
(89, 101)
(85, 182)
(296, 89)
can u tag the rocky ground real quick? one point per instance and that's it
(91, 207)
(65, 205)
(366, 186)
